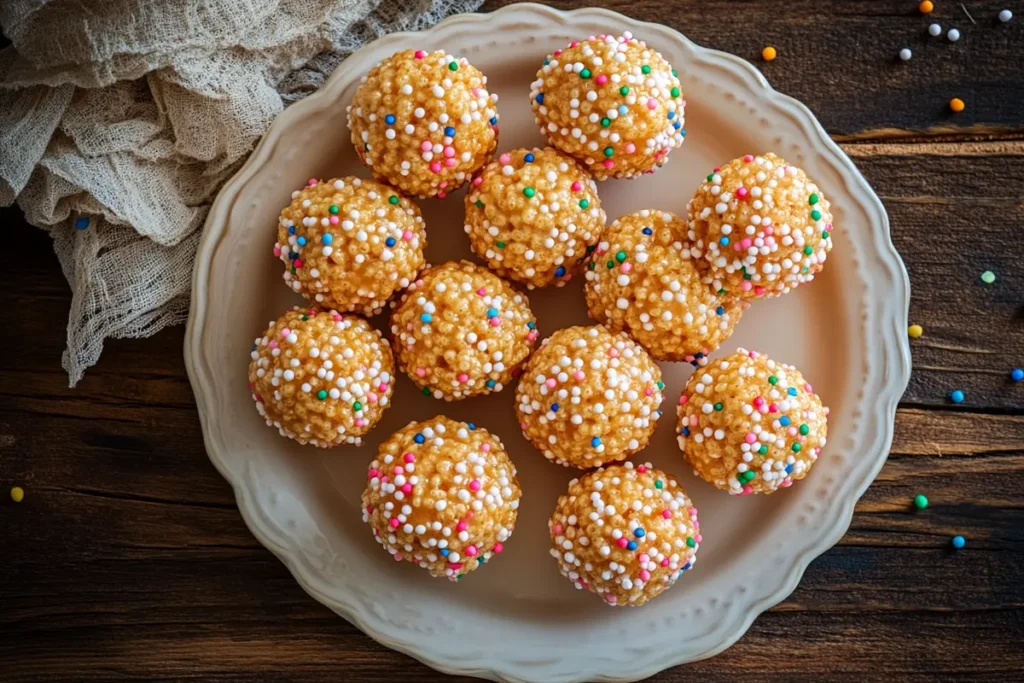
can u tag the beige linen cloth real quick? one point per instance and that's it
(120, 120)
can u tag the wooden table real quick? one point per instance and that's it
(129, 560)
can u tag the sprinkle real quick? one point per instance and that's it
(906, 54)
(624, 91)
(988, 277)
(953, 35)
(639, 532)
(584, 204)
(426, 318)
(956, 396)
(608, 151)
(926, 6)
(17, 494)
(528, 158)
(453, 66)
(529, 192)
(449, 132)
(333, 208)
(920, 502)
(81, 223)
(595, 442)
(322, 395)
(935, 30)
(959, 542)
(393, 199)
(585, 74)
(1005, 15)
(769, 54)
(1017, 374)
(915, 331)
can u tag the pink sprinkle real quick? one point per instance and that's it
(406, 488)
(498, 547)
(611, 599)
(398, 556)
(644, 558)
(532, 336)
(277, 250)
(374, 472)
(486, 447)
(747, 490)
(474, 485)
(626, 267)
(449, 151)
(652, 103)
(648, 391)
(601, 80)
(285, 332)
(644, 575)
(758, 290)
(579, 375)
(664, 563)
(608, 163)
(398, 470)
(773, 408)
(394, 522)
(461, 526)
(576, 186)
(495, 321)
(745, 286)
(613, 352)
(297, 263)
(362, 422)
(455, 565)
(758, 402)
(382, 387)
(476, 181)
(481, 291)
(273, 344)
(698, 538)
(409, 457)
(808, 389)
(751, 437)
(630, 148)
(504, 158)
(407, 235)
(829, 227)
(334, 220)
(426, 145)
(551, 383)
(312, 182)
(786, 483)
(450, 162)
(746, 243)
(372, 397)
(420, 54)
(641, 469)
(557, 528)
(666, 513)
(435, 166)
(748, 158)
(742, 193)
(791, 430)
(471, 550)
(463, 377)
(622, 542)
(683, 399)
(769, 230)
(574, 43)
(421, 372)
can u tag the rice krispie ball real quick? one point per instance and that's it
(612, 103)
(641, 279)
(533, 215)
(320, 377)
(443, 495)
(461, 331)
(424, 122)
(350, 244)
(758, 227)
(589, 396)
(750, 425)
(624, 533)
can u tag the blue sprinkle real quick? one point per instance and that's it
(491, 384)
(671, 115)
(494, 121)
(492, 312)
(789, 469)
(301, 241)
(291, 230)
(390, 242)
(449, 131)
(595, 442)
(720, 310)
(639, 532)
(531, 324)
(698, 355)
(686, 431)
(426, 318)
(559, 271)
(647, 231)
(959, 542)
(444, 552)
(528, 158)
(957, 396)
(419, 438)
(472, 427)
(293, 255)
(389, 119)
(724, 241)
(554, 407)
(82, 223)
(1017, 375)
(623, 109)
(327, 238)
(685, 567)
(791, 391)
(540, 95)
(683, 132)
(546, 62)
(677, 125)
(631, 545)
(784, 421)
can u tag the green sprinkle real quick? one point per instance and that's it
(322, 395)
(501, 245)
(797, 448)
(584, 204)
(710, 176)
(357, 406)
(529, 191)
(611, 264)
(813, 199)
(658, 484)
(393, 199)
(920, 502)
(333, 208)
(305, 317)
(816, 215)
(585, 73)
(718, 406)
(804, 429)
(824, 235)
(722, 290)
(426, 391)
(608, 151)
(592, 265)
(988, 277)
(808, 250)
(675, 73)
(453, 66)
(479, 204)
(747, 276)
(645, 69)
(605, 122)
(675, 92)
(773, 380)
(690, 543)
(623, 91)
(620, 256)
(762, 450)
(661, 385)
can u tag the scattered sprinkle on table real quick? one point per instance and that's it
(17, 494)
(920, 501)
(926, 7)
(1017, 374)
(769, 53)
(906, 54)
(956, 396)
(915, 331)
(988, 277)
(956, 104)
(953, 35)
(1005, 15)
(935, 30)
(959, 542)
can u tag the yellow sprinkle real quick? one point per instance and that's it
(926, 7)
(17, 494)
(956, 104)
(769, 53)
(915, 331)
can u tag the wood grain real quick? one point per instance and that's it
(129, 561)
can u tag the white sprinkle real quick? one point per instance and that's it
(1005, 15)
(935, 30)
(906, 54)
(953, 35)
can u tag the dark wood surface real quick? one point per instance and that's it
(129, 560)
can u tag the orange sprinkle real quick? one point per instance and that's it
(956, 104)
(926, 7)
(769, 53)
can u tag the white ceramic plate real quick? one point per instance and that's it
(518, 619)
